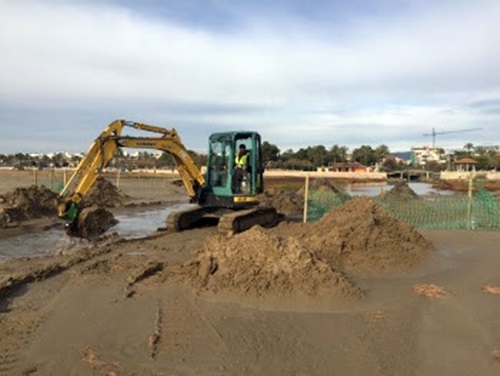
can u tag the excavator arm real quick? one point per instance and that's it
(103, 150)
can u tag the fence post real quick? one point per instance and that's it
(306, 197)
(36, 177)
(52, 179)
(118, 178)
(469, 202)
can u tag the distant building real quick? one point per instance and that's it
(348, 167)
(422, 155)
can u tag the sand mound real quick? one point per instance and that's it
(322, 185)
(105, 194)
(399, 191)
(260, 263)
(360, 237)
(283, 201)
(25, 203)
(323, 196)
(363, 235)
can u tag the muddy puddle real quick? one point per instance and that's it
(139, 224)
(54, 241)
(374, 189)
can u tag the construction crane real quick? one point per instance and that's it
(434, 133)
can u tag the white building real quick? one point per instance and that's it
(423, 154)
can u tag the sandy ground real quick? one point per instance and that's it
(142, 192)
(158, 188)
(90, 319)
(99, 312)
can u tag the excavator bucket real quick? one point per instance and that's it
(91, 223)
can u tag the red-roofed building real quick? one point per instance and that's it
(466, 164)
(348, 167)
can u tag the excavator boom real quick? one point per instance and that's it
(103, 150)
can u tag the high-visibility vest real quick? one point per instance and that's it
(241, 161)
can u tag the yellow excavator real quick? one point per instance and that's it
(230, 199)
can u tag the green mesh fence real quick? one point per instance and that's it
(55, 186)
(435, 212)
(321, 202)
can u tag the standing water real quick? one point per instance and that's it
(55, 240)
(374, 189)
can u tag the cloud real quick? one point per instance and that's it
(387, 78)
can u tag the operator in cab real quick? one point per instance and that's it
(241, 168)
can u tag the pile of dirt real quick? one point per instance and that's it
(360, 237)
(263, 263)
(93, 222)
(322, 196)
(400, 191)
(26, 203)
(453, 185)
(322, 185)
(105, 194)
(284, 202)
(363, 235)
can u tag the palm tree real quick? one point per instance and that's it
(469, 147)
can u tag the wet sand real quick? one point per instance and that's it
(87, 319)
(115, 308)
(144, 194)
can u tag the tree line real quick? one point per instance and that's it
(312, 157)
(308, 158)
(142, 160)
(40, 161)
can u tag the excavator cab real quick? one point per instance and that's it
(229, 183)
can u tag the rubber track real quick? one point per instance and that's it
(184, 219)
(238, 221)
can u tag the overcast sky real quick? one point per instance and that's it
(300, 72)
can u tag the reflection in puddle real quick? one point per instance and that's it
(140, 224)
(374, 189)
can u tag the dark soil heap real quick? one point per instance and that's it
(105, 194)
(362, 235)
(398, 192)
(26, 203)
(94, 221)
(283, 201)
(262, 263)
